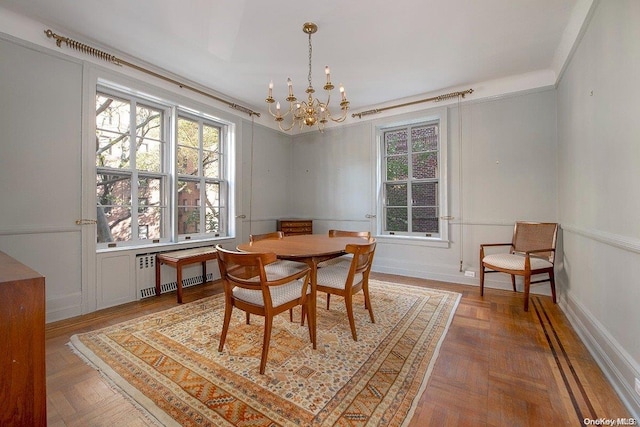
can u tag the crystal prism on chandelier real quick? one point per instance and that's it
(312, 111)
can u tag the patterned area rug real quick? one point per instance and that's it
(169, 365)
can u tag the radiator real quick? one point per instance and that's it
(146, 276)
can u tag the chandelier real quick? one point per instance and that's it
(312, 111)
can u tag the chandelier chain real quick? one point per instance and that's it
(310, 55)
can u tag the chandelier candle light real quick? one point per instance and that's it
(310, 112)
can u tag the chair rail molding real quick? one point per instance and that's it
(626, 243)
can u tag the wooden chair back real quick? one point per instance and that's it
(274, 235)
(344, 233)
(362, 257)
(244, 269)
(528, 236)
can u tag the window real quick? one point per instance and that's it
(412, 179)
(139, 162)
(199, 176)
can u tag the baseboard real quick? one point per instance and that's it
(452, 274)
(616, 364)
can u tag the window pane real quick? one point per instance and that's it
(113, 150)
(424, 138)
(424, 193)
(113, 207)
(150, 191)
(211, 138)
(150, 222)
(212, 211)
(112, 114)
(188, 220)
(113, 189)
(188, 207)
(149, 155)
(187, 161)
(425, 165)
(396, 194)
(114, 224)
(188, 193)
(396, 142)
(212, 218)
(424, 220)
(188, 133)
(396, 219)
(148, 122)
(211, 164)
(397, 168)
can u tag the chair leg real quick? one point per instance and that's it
(305, 309)
(291, 315)
(328, 299)
(367, 301)
(481, 271)
(513, 282)
(248, 317)
(225, 325)
(303, 315)
(527, 285)
(553, 286)
(348, 300)
(268, 323)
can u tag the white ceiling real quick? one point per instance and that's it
(380, 50)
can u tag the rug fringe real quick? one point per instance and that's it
(432, 362)
(75, 346)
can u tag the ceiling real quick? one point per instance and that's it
(380, 50)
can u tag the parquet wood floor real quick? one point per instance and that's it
(498, 366)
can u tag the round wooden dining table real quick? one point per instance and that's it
(310, 249)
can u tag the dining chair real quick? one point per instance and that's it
(249, 287)
(344, 281)
(283, 267)
(532, 251)
(344, 259)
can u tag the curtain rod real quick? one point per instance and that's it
(89, 50)
(435, 98)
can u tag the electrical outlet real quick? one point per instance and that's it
(637, 386)
(469, 273)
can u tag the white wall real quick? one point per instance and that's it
(599, 195)
(40, 146)
(509, 173)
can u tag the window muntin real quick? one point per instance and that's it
(136, 166)
(410, 171)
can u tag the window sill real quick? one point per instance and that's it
(165, 246)
(413, 241)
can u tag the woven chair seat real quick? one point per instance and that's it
(335, 276)
(515, 261)
(279, 294)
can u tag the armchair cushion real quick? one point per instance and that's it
(280, 269)
(279, 294)
(335, 276)
(515, 261)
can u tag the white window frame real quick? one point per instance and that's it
(223, 159)
(440, 115)
(173, 109)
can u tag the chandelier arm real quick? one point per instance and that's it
(281, 115)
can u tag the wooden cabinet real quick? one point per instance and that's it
(292, 227)
(22, 351)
